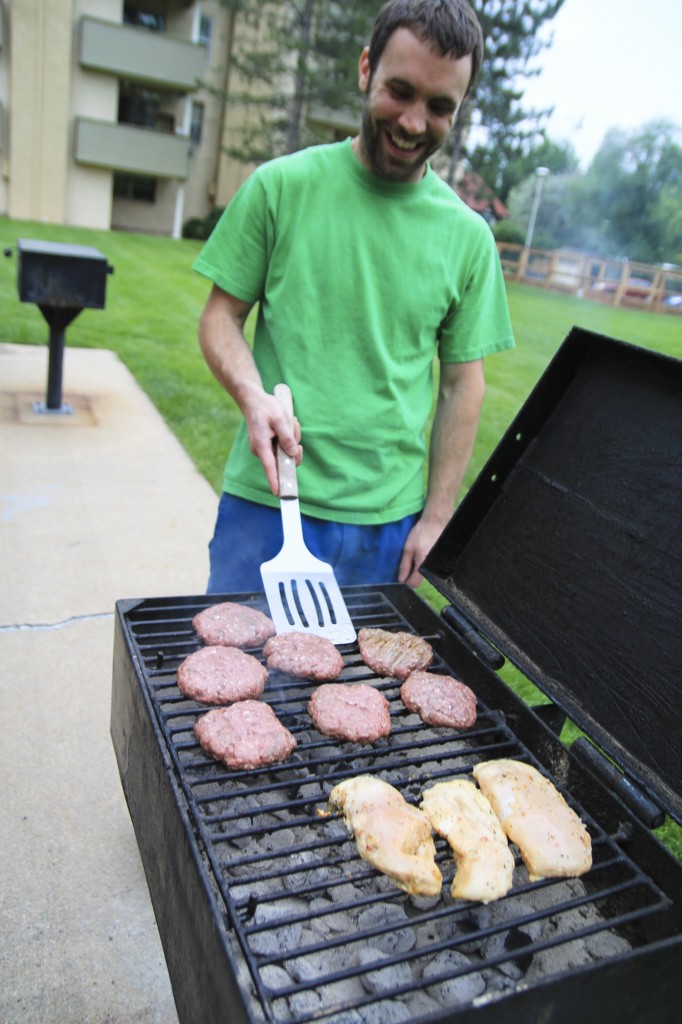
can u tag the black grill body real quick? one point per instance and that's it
(61, 276)
(265, 910)
(235, 906)
(62, 280)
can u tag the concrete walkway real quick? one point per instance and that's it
(95, 506)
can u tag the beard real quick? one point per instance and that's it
(377, 156)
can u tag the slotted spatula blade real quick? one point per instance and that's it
(301, 590)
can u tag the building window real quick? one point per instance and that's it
(136, 187)
(205, 30)
(142, 107)
(197, 122)
(143, 19)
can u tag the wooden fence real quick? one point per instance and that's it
(614, 282)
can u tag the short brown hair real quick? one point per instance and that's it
(450, 26)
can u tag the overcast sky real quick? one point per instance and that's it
(613, 63)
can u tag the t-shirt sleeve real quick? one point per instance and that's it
(479, 324)
(235, 256)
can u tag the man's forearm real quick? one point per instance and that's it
(225, 349)
(455, 425)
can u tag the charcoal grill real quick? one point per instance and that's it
(62, 280)
(265, 911)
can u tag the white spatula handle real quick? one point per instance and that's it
(286, 466)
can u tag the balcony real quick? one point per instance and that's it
(341, 122)
(125, 147)
(142, 56)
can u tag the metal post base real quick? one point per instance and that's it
(63, 410)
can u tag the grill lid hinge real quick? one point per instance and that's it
(639, 802)
(460, 625)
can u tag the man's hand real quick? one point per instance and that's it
(460, 394)
(230, 359)
(420, 540)
(268, 423)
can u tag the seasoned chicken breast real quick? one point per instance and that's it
(460, 813)
(390, 834)
(551, 838)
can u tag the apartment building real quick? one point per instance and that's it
(113, 113)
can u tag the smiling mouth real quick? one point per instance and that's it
(407, 146)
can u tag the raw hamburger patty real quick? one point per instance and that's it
(303, 655)
(357, 713)
(221, 675)
(245, 735)
(393, 654)
(439, 700)
(233, 625)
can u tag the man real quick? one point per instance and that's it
(365, 266)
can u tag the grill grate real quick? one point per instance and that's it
(322, 934)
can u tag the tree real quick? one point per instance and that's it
(554, 226)
(301, 56)
(627, 204)
(667, 218)
(508, 170)
(631, 194)
(493, 108)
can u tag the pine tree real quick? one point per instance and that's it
(512, 38)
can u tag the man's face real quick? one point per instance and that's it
(411, 102)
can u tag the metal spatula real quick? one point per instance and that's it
(302, 591)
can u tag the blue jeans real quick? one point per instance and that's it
(247, 534)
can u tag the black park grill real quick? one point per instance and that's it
(564, 559)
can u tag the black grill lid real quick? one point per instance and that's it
(567, 551)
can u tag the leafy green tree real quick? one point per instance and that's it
(554, 225)
(504, 171)
(667, 216)
(631, 194)
(627, 204)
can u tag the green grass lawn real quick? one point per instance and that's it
(153, 304)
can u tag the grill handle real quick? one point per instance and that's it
(467, 632)
(648, 812)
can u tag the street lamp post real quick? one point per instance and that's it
(540, 173)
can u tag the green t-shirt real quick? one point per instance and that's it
(360, 283)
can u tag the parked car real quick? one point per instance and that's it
(636, 288)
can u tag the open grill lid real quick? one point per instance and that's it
(566, 553)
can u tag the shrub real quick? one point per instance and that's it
(212, 219)
(193, 228)
(201, 227)
(508, 231)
